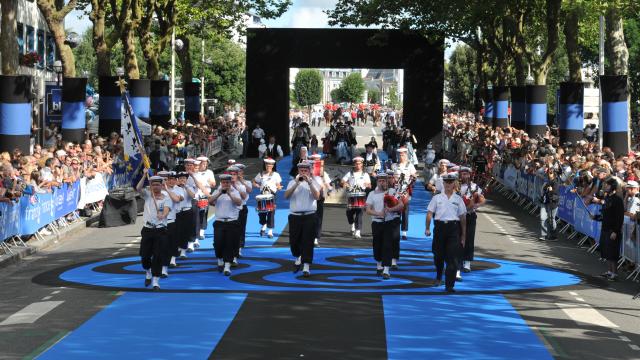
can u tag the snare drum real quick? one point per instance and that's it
(202, 203)
(265, 203)
(316, 170)
(356, 200)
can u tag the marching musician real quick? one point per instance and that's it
(408, 175)
(449, 233)
(356, 181)
(154, 232)
(184, 217)
(473, 199)
(177, 194)
(269, 182)
(436, 184)
(206, 177)
(240, 186)
(245, 211)
(200, 193)
(371, 162)
(324, 182)
(226, 228)
(385, 224)
(303, 155)
(303, 193)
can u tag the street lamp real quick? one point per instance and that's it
(120, 72)
(57, 67)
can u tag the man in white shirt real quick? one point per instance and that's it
(472, 195)
(303, 193)
(408, 171)
(257, 134)
(154, 232)
(238, 182)
(385, 225)
(269, 182)
(228, 202)
(177, 194)
(435, 184)
(201, 193)
(449, 235)
(208, 180)
(356, 181)
(274, 150)
(324, 182)
(184, 217)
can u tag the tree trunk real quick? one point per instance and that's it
(617, 53)
(102, 49)
(8, 44)
(185, 61)
(129, 48)
(552, 19)
(571, 23)
(66, 55)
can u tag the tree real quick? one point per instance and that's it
(393, 100)
(54, 12)
(460, 77)
(337, 96)
(374, 95)
(8, 44)
(352, 88)
(308, 88)
(155, 36)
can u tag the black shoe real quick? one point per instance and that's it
(270, 236)
(296, 268)
(220, 268)
(227, 273)
(612, 277)
(262, 232)
(182, 257)
(394, 267)
(147, 282)
(465, 270)
(305, 274)
(156, 288)
(404, 237)
(386, 276)
(172, 266)
(378, 272)
(553, 238)
(164, 276)
(449, 290)
(234, 264)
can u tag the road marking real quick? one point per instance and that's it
(634, 347)
(47, 297)
(580, 299)
(585, 314)
(116, 253)
(573, 293)
(615, 331)
(515, 242)
(122, 249)
(374, 132)
(55, 292)
(30, 313)
(129, 245)
(624, 338)
(139, 238)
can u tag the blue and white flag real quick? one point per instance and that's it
(133, 149)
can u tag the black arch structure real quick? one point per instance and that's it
(272, 52)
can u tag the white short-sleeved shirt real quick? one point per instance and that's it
(202, 180)
(359, 178)
(436, 180)
(175, 206)
(225, 208)
(407, 169)
(632, 205)
(241, 187)
(247, 188)
(447, 208)
(320, 180)
(375, 200)
(302, 199)
(271, 181)
(150, 214)
(186, 204)
(466, 190)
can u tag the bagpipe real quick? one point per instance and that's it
(403, 190)
(471, 194)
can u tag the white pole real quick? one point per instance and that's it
(173, 76)
(202, 83)
(600, 72)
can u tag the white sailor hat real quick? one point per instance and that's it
(163, 173)
(61, 152)
(240, 166)
(156, 179)
(202, 158)
(382, 175)
(231, 161)
(358, 158)
(196, 162)
(443, 161)
(315, 157)
(390, 172)
(402, 149)
(632, 184)
(450, 176)
(232, 168)
(304, 164)
(303, 148)
(269, 161)
(173, 174)
(189, 161)
(224, 177)
(464, 169)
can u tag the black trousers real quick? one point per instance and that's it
(319, 216)
(172, 244)
(404, 216)
(152, 249)
(242, 217)
(302, 230)
(266, 218)
(469, 243)
(446, 248)
(383, 245)
(186, 224)
(225, 239)
(392, 236)
(355, 216)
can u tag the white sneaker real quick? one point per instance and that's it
(227, 269)
(165, 271)
(190, 246)
(264, 227)
(220, 262)
(298, 260)
(183, 253)
(305, 270)
(196, 244)
(201, 234)
(357, 235)
(353, 228)
(148, 275)
(240, 251)
(155, 283)
(466, 265)
(458, 276)
(270, 233)
(315, 242)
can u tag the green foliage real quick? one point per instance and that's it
(393, 100)
(337, 96)
(632, 38)
(557, 74)
(460, 77)
(374, 95)
(308, 87)
(86, 59)
(352, 88)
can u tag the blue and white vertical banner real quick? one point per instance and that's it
(9, 220)
(52, 104)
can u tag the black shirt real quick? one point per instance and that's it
(612, 214)
(480, 163)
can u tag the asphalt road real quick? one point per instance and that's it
(589, 318)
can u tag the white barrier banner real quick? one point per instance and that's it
(91, 191)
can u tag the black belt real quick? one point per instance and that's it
(303, 213)
(448, 222)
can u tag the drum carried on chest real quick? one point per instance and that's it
(202, 203)
(316, 170)
(265, 203)
(356, 200)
